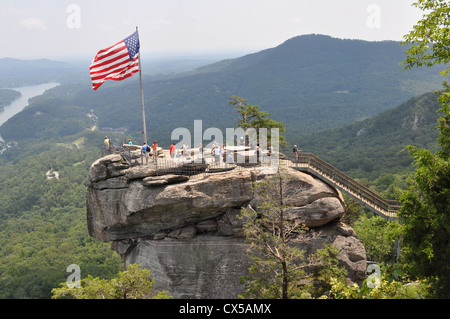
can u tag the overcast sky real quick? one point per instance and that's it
(33, 29)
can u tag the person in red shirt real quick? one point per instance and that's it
(155, 150)
(173, 150)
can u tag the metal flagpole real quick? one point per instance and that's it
(142, 95)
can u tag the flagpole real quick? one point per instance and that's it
(142, 96)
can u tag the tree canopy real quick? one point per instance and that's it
(133, 283)
(430, 37)
(425, 213)
(250, 116)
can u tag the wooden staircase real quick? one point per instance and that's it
(308, 162)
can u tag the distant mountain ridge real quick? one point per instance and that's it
(16, 72)
(310, 82)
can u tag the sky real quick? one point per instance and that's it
(56, 29)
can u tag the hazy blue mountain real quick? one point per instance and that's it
(15, 72)
(310, 82)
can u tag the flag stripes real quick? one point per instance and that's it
(116, 62)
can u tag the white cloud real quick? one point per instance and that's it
(33, 24)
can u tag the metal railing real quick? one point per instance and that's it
(306, 162)
(318, 167)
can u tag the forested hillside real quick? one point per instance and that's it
(7, 96)
(43, 221)
(375, 149)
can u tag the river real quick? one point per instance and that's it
(18, 105)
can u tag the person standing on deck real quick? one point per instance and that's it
(155, 150)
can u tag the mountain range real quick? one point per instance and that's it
(310, 82)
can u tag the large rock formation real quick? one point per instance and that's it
(186, 230)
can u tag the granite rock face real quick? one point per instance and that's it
(187, 230)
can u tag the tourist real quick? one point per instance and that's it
(200, 152)
(172, 150)
(217, 152)
(146, 151)
(185, 151)
(107, 147)
(295, 153)
(155, 150)
(230, 158)
(129, 142)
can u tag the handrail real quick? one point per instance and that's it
(302, 161)
(381, 206)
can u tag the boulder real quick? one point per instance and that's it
(139, 210)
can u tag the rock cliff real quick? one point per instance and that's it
(186, 230)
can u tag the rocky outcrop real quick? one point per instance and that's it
(187, 230)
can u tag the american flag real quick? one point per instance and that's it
(117, 62)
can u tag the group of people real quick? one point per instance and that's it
(217, 151)
(185, 154)
(146, 150)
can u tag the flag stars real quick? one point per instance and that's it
(132, 43)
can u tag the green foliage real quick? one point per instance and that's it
(327, 268)
(8, 96)
(276, 265)
(378, 236)
(389, 283)
(425, 213)
(133, 283)
(46, 118)
(251, 117)
(430, 36)
(43, 221)
(357, 148)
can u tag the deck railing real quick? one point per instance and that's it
(306, 162)
(314, 165)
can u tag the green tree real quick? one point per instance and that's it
(133, 283)
(250, 116)
(327, 269)
(390, 282)
(425, 213)
(378, 236)
(430, 37)
(277, 265)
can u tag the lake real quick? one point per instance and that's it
(18, 105)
